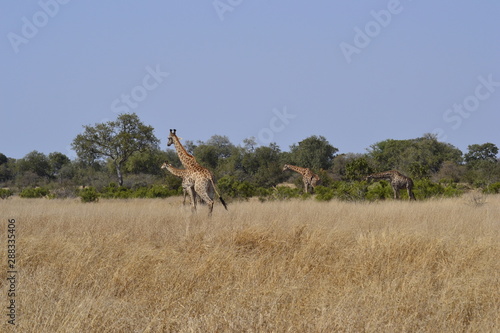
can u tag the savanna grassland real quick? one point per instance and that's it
(149, 265)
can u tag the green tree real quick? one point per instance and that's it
(485, 152)
(482, 164)
(6, 172)
(419, 157)
(150, 161)
(264, 166)
(249, 144)
(214, 151)
(57, 161)
(3, 159)
(223, 145)
(314, 152)
(37, 163)
(207, 156)
(117, 140)
(358, 169)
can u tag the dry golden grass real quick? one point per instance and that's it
(299, 266)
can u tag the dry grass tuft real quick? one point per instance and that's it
(297, 266)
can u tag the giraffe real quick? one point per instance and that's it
(200, 180)
(398, 181)
(308, 177)
(187, 182)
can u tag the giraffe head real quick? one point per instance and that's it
(286, 167)
(315, 181)
(171, 137)
(165, 165)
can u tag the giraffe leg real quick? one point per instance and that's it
(410, 194)
(305, 185)
(192, 196)
(396, 192)
(203, 190)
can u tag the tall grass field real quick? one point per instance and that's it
(149, 265)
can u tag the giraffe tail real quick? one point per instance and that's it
(223, 202)
(218, 194)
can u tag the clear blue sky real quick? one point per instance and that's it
(355, 72)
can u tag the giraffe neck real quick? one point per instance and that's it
(383, 175)
(175, 171)
(187, 160)
(296, 169)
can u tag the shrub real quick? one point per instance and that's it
(141, 192)
(155, 191)
(228, 186)
(5, 193)
(424, 189)
(245, 190)
(38, 192)
(324, 193)
(379, 191)
(285, 193)
(233, 188)
(113, 191)
(263, 193)
(351, 191)
(89, 194)
(492, 188)
(452, 190)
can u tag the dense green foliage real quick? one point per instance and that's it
(5, 193)
(89, 194)
(128, 149)
(37, 192)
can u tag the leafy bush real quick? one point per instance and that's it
(324, 193)
(492, 188)
(155, 191)
(285, 193)
(38, 192)
(452, 190)
(425, 189)
(351, 191)
(113, 191)
(379, 191)
(5, 193)
(233, 188)
(89, 194)
(228, 185)
(245, 190)
(263, 193)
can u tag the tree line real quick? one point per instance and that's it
(122, 158)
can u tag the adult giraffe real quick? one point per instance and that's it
(397, 180)
(308, 177)
(200, 179)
